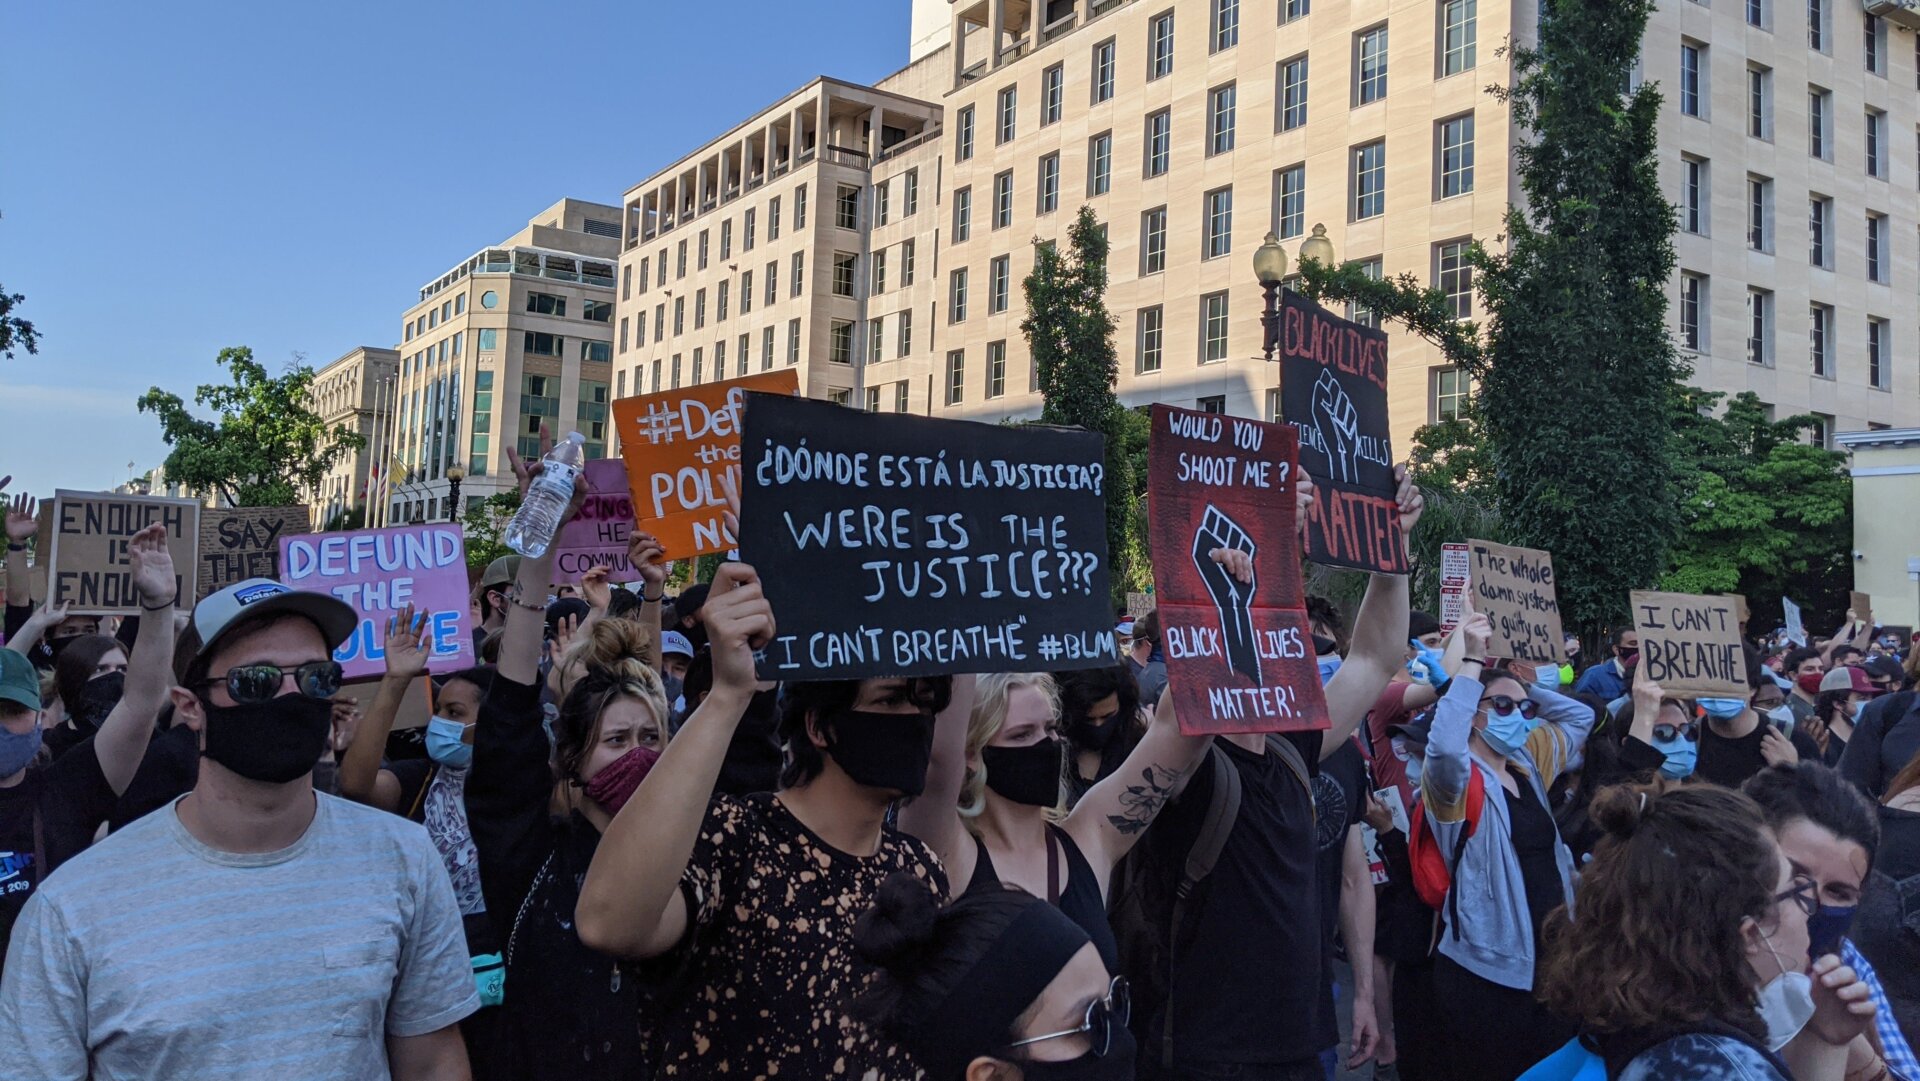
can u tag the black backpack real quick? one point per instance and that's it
(1153, 911)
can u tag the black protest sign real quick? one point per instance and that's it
(894, 545)
(92, 572)
(1239, 654)
(238, 543)
(1333, 387)
(1513, 588)
(1690, 645)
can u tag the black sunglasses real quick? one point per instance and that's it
(1501, 703)
(1103, 1014)
(251, 684)
(1667, 733)
(1804, 892)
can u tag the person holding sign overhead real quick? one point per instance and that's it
(1495, 749)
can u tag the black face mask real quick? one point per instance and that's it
(1089, 735)
(882, 750)
(97, 699)
(274, 742)
(1323, 646)
(1026, 775)
(1116, 1065)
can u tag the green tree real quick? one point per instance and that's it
(267, 443)
(1070, 335)
(1763, 512)
(15, 332)
(1575, 373)
(485, 523)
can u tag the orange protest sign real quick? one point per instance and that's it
(679, 446)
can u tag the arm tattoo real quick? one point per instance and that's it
(1139, 803)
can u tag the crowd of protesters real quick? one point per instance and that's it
(614, 852)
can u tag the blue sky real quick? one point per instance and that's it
(177, 178)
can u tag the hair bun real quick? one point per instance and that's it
(897, 930)
(1621, 808)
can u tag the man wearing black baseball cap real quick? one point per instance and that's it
(253, 920)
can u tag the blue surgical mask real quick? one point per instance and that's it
(1723, 709)
(1826, 927)
(1858, 708)
(1328, 666)
(18, 749)
(1507, 732)
(444, 744)
(1682, 754)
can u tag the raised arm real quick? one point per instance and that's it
(1379, 635)
(23, 640)
(362, 780)
(645, 552)
(1449, 762)
(122, 740)
(631, 904)
(22, 523)
(1110, 819)
(933, 815)
(527, 620)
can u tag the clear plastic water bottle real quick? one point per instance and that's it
(538, 519)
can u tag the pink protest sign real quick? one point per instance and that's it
(597, 536)
(379, 571)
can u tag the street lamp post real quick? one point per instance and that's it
(455, 475)
(1270, 267)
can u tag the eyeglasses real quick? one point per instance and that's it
(1103, 1014)
(251, 684)
(1501, 703)
(1667, 733)
(1804, 892)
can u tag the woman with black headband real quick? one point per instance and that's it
(998, 986)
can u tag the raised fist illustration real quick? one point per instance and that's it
(1223, 553)
(1339, 424)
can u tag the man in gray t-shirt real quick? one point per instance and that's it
(254, 928)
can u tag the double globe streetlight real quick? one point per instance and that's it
(1270, 267)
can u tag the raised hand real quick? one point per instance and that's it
(47, 615)
(1223, 553)
(564, 630)
(1478, 630)
(644, 551)
(739, 620)
(1338, 422)
(1777, 749)
(1842, 1003)
(23, 519)
(595, 590)
(524, 471)
(1412, 503)
(152, 567)
(1302, 502)
(409, 644)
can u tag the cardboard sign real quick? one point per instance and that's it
(904, 546)
(1139, 604)
(90, 530)
(1239, 657)
(1453, 586)
(238, 543)
(679, 445)
(1862, 605)
(1690, 645)
(1333, 387)
(1796, 629)
(378, 572)
(598, 535)
(1513, 587)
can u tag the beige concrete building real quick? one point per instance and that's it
(349, 393)
(1193, 127)
(1886, 551)
(519, 333)
(802, 238)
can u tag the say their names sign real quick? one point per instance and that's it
(1690, 645)
(377, 572)
(1239, 655)
(239, 543)
(1333, 388)
(905, 546)
(92, 572)
(598, 535)
(1513, 588)
(680, 446)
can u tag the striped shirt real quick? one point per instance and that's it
(152, 955)
(1900, 1058)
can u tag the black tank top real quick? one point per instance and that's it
(1079, 898)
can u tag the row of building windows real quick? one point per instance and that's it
(1820, 34)
(433, 317)
(1695, 212)
(668, 372)
(1821, 128)
(1822, 331)
(653, 268)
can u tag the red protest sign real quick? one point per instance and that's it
(1239, 655)
(680, 445)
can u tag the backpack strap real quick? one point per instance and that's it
(1295, 761)
(1476, 805)
(1222, 810)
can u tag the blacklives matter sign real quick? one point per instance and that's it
(900, 545)
(1333, 388)
(1239, 654)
